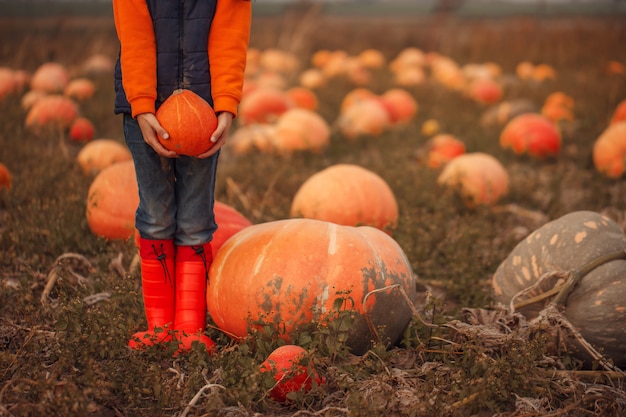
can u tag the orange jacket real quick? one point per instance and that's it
(227, 46)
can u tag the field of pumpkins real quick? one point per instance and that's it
(416, 217)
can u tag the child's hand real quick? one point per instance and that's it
(150, 128)
(224, 122)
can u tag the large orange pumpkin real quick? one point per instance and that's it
(112, 200)
(479, 178)
(349, 195)
(532, 134)
(290, 273)
(189, 120)
(596, 307)
(609, 150)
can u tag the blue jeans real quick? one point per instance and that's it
(176, 195)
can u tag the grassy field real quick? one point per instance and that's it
(66, 354)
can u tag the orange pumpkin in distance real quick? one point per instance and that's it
(289, 372)
(290, 273)
(609, 151)
(619, 114)
(5, 177)
(189, 120)
(442, 148)
(532, 134)
(349, 195)
(479, 178)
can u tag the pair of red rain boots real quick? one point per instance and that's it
(174, 280)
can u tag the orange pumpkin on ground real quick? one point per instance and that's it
(112, 200)
(263, 105)
(291, 273)
(400, 104)
(101, 153)
(5, 177)
(51, 112)
(532, 134)
(82, 130)
(442, 148)
(289, 372)
(80, 89)
(301, 130)
(609, 151)
(619, 114)
(596, 306)
(485, 90)
(479, 178)
(189, 120)
(50, 77)
(349, 195)
(303, 98)
(363, 118)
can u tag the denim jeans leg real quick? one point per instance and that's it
(195, 197)
(156, 215)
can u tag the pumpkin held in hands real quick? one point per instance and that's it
(293, 272)
(596, 307)
(189, 121)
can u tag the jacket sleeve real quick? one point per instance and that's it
(135, 32)
(228, 44)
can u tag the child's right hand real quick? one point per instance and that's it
(150, 128)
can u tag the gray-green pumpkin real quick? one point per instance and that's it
(597, 305)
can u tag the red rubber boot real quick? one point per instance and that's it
(192, 275)
(158, 287)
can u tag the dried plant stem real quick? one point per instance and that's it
(199, 394)
(53, 276)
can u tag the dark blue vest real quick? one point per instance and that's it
(182, 29)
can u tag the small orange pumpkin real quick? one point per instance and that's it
(82, 130)
(619, 114)
(479, 178)
(301, 130)
(263, 105)
(189, 120)
(532, 134)
(50, 77)
(290, 273)
(442, 148)
(112, 200)
(51, 112)
(349, 195)
(5, 177)
(609, 150)
(290, 374)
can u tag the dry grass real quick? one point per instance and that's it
(67, 355)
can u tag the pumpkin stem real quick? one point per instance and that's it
(562, 291)
(577, 275)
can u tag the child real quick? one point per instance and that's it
(200, 45)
